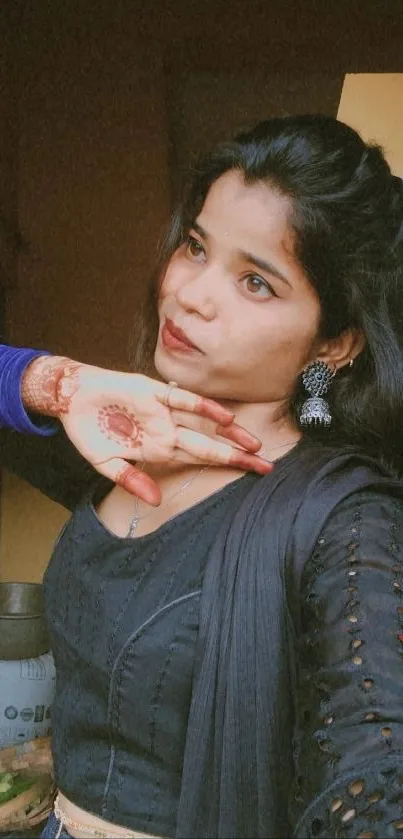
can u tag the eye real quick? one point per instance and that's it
(257, 286)
(194, 248)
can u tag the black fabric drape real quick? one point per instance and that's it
(238, 764)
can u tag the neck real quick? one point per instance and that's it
(270, 422)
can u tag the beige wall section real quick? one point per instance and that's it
(30, 524)
(372, 103)
(93, 194)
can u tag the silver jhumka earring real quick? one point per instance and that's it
(316, 378)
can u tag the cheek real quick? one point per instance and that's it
(284, 334)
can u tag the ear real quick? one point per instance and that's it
(341, 351)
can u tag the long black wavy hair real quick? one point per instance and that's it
(347, 215)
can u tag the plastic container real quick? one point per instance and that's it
(23, 631)
(27, 689)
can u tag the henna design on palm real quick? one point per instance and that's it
(120, 425)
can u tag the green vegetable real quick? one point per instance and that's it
(12, 784)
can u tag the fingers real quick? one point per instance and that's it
(234, 432)
(184, 400)
(249, 462)
(205, 407)
(219, 454)
(128, 476)
(240, 436)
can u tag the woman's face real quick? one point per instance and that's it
(238, 317)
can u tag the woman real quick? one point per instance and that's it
(229, 663)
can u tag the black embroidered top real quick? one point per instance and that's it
(125, 621)
(123, 616)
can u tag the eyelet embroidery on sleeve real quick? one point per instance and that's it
(366, 808)
(354, 629)
(355, 642)
(352, 607)
(369, 805)
(397, 578)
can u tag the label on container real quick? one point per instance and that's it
(26, 694)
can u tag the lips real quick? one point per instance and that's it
(174, 337)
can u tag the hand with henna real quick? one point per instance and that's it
(116, 420)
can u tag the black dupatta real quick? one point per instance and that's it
(238, 764)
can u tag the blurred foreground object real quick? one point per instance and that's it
(26, 776)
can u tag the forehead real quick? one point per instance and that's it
(253, 219)
(247, 212)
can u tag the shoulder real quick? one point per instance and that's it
(335, 472)
(326, 487)
(357, 546)
(370, 519)
(305, 489)
(314, 478)
(368, 522)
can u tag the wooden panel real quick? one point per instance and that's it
(372, 103)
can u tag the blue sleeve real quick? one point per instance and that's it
(13, 363)
(48, 461)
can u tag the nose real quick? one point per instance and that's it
(199, 293)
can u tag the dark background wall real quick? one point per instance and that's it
(102, 106)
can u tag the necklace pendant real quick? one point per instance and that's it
(182, 488)
(133, 526)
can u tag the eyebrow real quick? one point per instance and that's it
(250, 257)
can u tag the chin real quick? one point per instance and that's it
(175, 370)
(165, 366)
(171, 371)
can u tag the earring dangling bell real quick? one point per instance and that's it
(316, 378)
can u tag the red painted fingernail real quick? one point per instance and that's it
(240, 436)
(251, 463)
(264, 468)
(139, 484)
(227, 417)
(150, 495)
